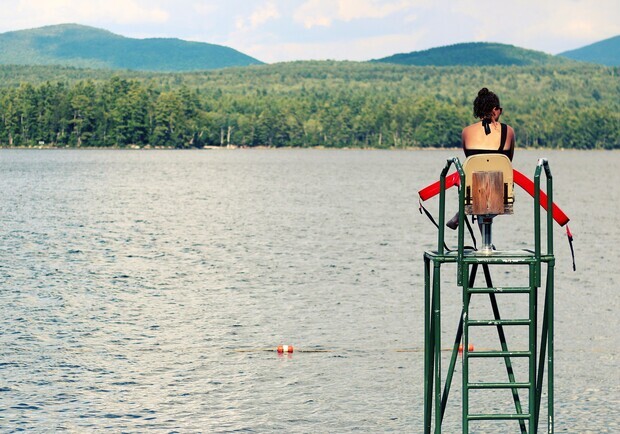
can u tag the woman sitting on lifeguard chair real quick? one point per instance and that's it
(488, 136)
(489, 179)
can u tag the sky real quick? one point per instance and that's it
(287, 30)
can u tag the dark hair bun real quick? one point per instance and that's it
(484, 103)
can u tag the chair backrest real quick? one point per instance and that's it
(489, 184)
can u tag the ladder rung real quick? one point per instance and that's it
(498, 416)
(496, 322)
(498, 353)
(514, 385)
(513, 290)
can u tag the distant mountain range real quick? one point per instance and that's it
(475, 54)
(606, 52)
(89, 47)
(81, 46)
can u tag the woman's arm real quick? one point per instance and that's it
(512, 142)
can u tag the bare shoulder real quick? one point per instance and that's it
(468, 130)
(510, 132)
(470, 127)
(510, 137)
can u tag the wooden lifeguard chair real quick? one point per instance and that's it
(489, 191)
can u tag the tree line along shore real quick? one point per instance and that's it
(305, 104)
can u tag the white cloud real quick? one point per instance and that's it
(32, 13)
(550, 26)
(354, 9)
(411, 18)
(205, 8)
(279, 30)
(358, 49)
(315, 13)
(260, 16)
(587, 20)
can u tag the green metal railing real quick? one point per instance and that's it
(442, 215)
(468, 262)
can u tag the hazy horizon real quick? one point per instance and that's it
(277, 30)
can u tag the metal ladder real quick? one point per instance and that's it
(505, 353)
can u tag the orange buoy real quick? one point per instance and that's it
(470, 347)
(285, 349)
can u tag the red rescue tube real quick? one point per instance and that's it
(435, 187)
(528, 185)
(520, 179)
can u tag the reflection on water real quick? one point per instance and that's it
(139, 290)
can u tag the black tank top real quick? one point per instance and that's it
(500, 150)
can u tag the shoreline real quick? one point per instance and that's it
(237, 148)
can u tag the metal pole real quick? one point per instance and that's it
(550, 370)
(551, 293)
(437, 343)
(442, 207)
(428, 356)
(532, 359)
(486, 226)
(537, 220)
(541, 360)
(465, 358)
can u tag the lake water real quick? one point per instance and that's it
(146, 290)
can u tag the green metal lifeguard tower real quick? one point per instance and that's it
(483, 179)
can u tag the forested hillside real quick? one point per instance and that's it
(475, 54)
(90, 47)
(333, 104)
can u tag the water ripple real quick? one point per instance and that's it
(148, 290)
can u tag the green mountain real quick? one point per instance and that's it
(606, 52)
(474, 54)
(88, 47)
